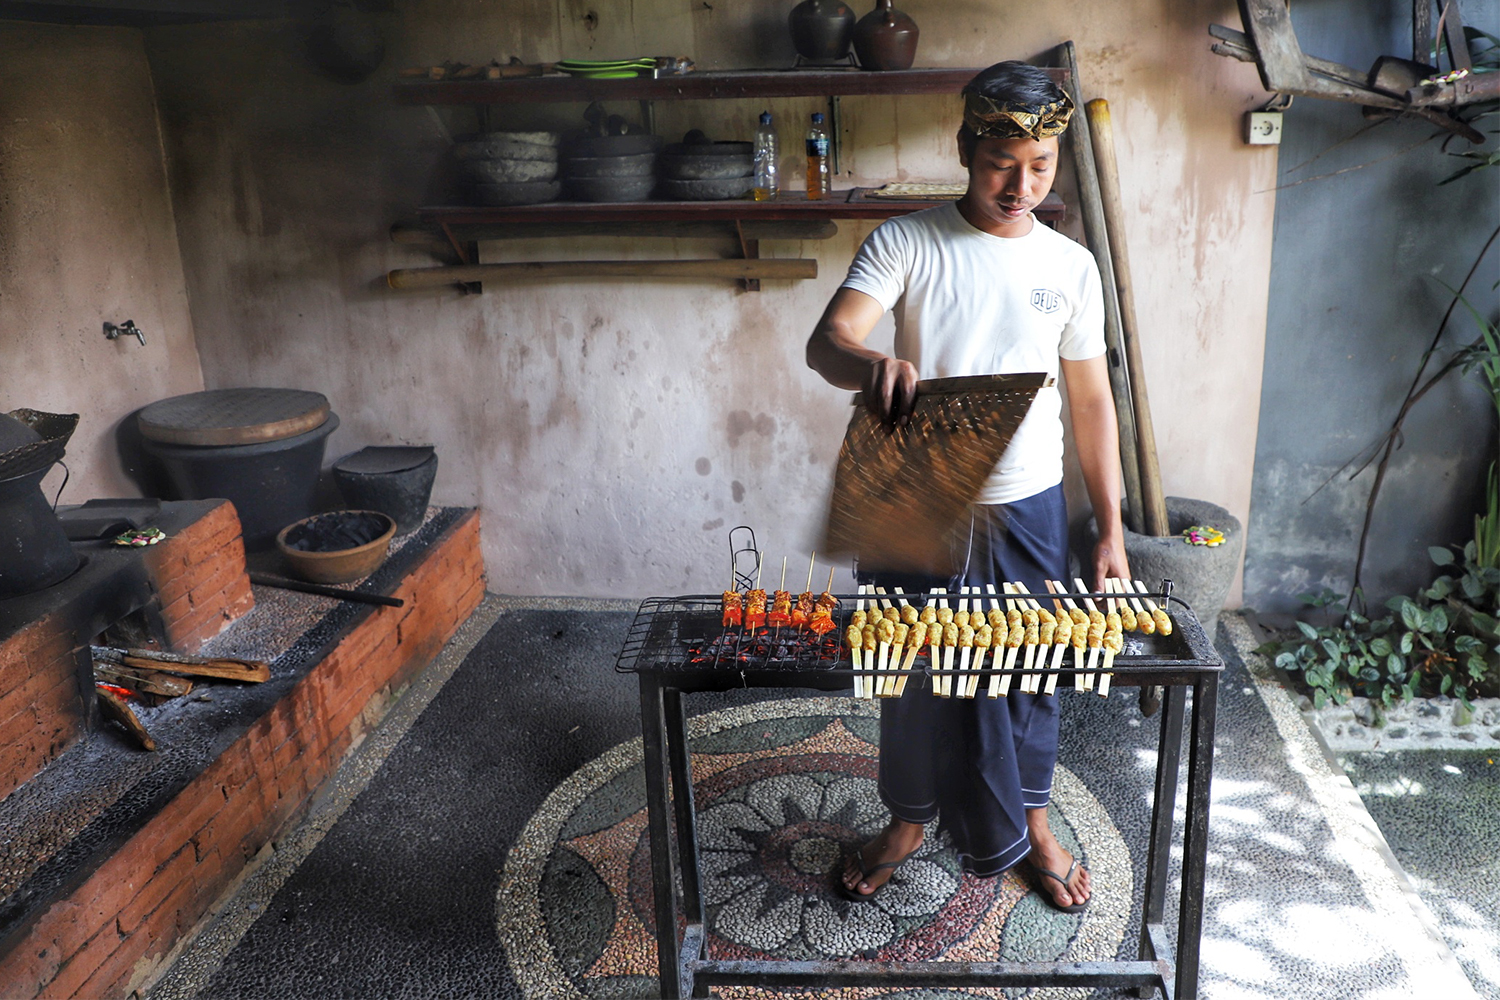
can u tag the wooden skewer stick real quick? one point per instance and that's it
(1143, 619)
(1041, 654)
(914, 647)
(1059, 646)
(1030, 682)
(935, 648)
(859, 679)
(809, 573)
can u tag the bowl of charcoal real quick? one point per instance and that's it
(338, 547)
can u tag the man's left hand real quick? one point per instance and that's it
(1109, 561)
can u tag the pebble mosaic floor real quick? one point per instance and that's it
(496, 850)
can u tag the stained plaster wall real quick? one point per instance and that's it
(86, 235)
(1365, 242)
(613, 431)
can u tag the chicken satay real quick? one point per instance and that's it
(1143, 620)
(885, 633)
(999, 634)
(855, 640)
(899, 632)
(1122, 606)
(1045, 629)
(1113, 643)
(892, 614)
(734, 609)
(755, 608)
(914, 640)
(857, 618)
(909, 615)
(965, 654)
(869, 641)
(1159, 617)
(950, 644)
(1062, 636)
(984, 637)
(1033, 637)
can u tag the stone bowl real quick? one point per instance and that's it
(708, 190)
(507, 171)
(689, 164)
(503, 145)
(611, 145)
(632, 165)
(518, 192)
(611, 188)
(337, 547)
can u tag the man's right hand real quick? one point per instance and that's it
(890, 391)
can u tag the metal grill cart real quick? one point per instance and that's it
(677, 646)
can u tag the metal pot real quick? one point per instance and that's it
(34, 549)
(821, 29)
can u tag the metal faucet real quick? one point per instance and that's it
(128, 328)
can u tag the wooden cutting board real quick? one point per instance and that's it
(900, 497)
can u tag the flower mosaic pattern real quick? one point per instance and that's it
(785, 790)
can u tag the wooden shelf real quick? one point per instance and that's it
(851, 204)
(691, 86)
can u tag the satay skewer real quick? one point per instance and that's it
(1095, 633)
(1078, 639)
(999, 634)
(1143, 619)
(1160, 618)
(917, 632)
(859, 619)
(1015, 630)
(1046, 631)
(1127, 613)
(1030, 638)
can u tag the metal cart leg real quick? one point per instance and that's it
(1195, 835)
(663, 866)
(1154, 943)
(684, 813)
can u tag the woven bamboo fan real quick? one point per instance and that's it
(898, 497)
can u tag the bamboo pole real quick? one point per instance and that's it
(1153, 500)
(1091, 207)
(732, 268)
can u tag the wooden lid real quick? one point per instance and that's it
(233, 416)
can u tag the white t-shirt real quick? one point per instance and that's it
(968, 303)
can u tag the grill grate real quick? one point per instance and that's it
(684, 637)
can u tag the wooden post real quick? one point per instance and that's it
(1153, 500)
(1091, 207)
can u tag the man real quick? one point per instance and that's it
(980, 287)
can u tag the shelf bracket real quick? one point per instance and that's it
(468, 253)
(749, 250)
(835, 137)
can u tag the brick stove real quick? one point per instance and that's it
(100, 914)
(187, 589)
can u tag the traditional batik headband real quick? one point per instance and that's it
(990, 119)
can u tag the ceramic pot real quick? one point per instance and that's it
(821, 29)
(885, 38)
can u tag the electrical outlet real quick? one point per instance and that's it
(1263, 128)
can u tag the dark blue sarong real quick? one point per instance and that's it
(979, 763)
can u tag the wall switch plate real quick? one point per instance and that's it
(1263, 128)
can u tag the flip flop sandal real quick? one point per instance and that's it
(864, 873)
(1041, 888)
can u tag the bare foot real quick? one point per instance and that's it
(893, 843)
(1047, 853)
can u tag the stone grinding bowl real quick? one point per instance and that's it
(708, 190)
(518, 192)
(691, 167)
(505, 171)
(611, 188)
(632, 165)
(502, 145)
(337, 547)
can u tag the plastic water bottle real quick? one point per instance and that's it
(817, 159)
(766, 187)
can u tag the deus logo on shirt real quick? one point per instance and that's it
(1045, 300)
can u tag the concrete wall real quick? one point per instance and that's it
(1366, 240)
(86, 235)
(615, 430)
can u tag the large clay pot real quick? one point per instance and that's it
(885, 38)
(821, 29)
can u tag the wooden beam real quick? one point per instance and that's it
(775, 269)
(1269, 25)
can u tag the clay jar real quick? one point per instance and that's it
(885, 38)
(821, 29)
